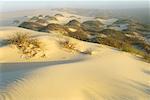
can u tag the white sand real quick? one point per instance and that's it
(49, 43)
(107, 74)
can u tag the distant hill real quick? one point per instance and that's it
(140, 14)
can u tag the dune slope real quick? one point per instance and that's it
(107, 74)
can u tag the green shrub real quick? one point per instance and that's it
(123, 46)
(79, 34)
(110, 42)
(147, 57)
(131, 49)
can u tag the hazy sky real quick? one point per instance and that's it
(14, 5)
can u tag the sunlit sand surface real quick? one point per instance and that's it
(106, 74)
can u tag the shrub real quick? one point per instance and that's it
(55, 27)
(147, 57)
(59, 15)
(67, 44)
(18, 39)
(110, 42)
(123, 46)
(34, 18)
(27, 45)
(73, 23)
(31, 25)
(79, 34)
(129, 48)
(92, 26)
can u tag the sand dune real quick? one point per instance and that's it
(98, 77)
(107, 74)
(6, 19)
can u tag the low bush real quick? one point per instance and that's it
(123, 46)
(147, 57)
(67, 44)
(79, 34)
(27, 45)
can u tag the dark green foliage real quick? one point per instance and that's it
(42, 21)
(34, 18)
(92, 26)
(122, 21)
(147, 57)
(125, 46)
(51, 18)
(31, 25)
(79, 34)
(113, 33)
(59, 15)
(73, 23)
(55, 27)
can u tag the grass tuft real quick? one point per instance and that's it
(26, 44)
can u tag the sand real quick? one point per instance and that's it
(107, 74)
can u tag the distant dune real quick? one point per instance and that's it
(105, 74)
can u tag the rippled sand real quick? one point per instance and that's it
(115, 76)
(107, 74)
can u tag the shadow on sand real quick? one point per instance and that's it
(3, 42)
(146, 71)
(10, 72)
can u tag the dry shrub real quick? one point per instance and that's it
(72, 46)
(27, 45)
(67, 44)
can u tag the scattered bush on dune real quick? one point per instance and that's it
(123, 46)
(40, 16)
(59, 15)
(51, 18)
(27, 45)
(72, 16)
(79, 34)
(110, 42)
(67, 44)
(34, 18)
(42, 21)
(147, 57)
(55, 27)
(92, 26)
(72, 47)
(31, 25)
(73, 23)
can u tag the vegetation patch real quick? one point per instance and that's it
(123, 46)
(92, 26)
(28, 46)
(68, 45)
(31, 25)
